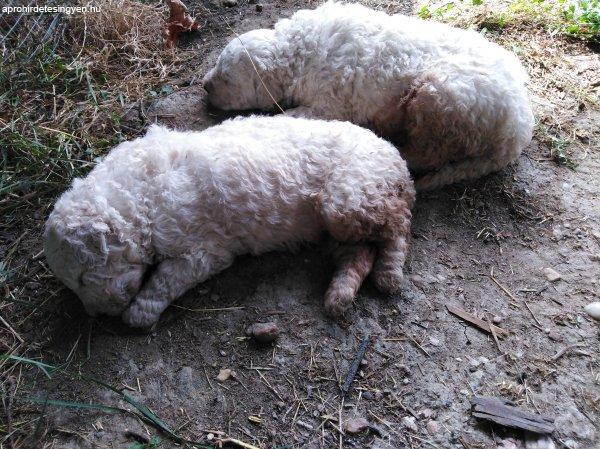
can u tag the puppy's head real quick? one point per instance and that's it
(103, 271)
(248, 61)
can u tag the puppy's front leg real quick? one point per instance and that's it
(172, 278)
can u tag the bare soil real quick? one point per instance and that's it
(423, 362)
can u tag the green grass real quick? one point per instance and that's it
(575, 18)
(46, 108)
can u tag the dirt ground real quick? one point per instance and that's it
(480, 246)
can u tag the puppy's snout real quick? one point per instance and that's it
(208, 86)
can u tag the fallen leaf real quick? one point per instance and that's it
(179, 21)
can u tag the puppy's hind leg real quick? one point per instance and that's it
(387, 272)
(171, 279)
(354, 262)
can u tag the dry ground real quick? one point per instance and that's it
(481, 246)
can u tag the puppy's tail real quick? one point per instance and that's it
(460, 171)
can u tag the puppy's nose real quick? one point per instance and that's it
(208, 86)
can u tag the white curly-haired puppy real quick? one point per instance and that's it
(192, 201)
(455, 103)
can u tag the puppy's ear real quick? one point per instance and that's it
(90, 245)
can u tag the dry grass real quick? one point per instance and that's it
(124, 44)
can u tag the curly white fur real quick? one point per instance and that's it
(190, 202)
(455, 103)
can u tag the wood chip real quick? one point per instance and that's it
(503, 412)
(487, 327)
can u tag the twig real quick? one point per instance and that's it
(419, 346)
(355, 364)
(275, 392)
(505, 290)
(530, 311)
(221, 309)
(563, 351)
(12, 331)
(220, 442)
(463, 314)
(494, 335)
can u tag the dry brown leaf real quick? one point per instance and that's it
(179, 21)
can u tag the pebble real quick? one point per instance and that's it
(551, 274)
(356, 425)
(229, 3)
(185, 380)
(434, 341)
(497, 319)
(595, 257)
(555, 336)
(426, 413)
(593, 310)
(433, 427)
(539, 442)
(263, 332)
(409, 423)
(258, 7)
(225, 374)
(368, 395)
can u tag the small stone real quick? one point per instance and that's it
(409, 423)
(551, 274)
(539, 442)
(595, 257)
(433, 427)
(264, 333)
(225, 374)
(223, 353)
(185, 380)
(259, 7)
(426, 413)
(368, 395)
(434, 341)
(507, 444)
(593, 310)
(356, 425)
(210, 436)
(229, 3)
(497, 319)
(554, 336)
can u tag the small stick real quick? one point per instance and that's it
(563, 351)
(221, 442)
(270, 387)
(505, 290)
(222, 309)
(207, 378)
(530, 311)
(463, 314)
(12, 331)
(419, 346)
(355, 364)
(494, 335)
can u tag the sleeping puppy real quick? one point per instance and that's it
(190, 202)
(455, 103)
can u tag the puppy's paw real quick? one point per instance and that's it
(388, 281)
(140, 317)
(337, 302)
